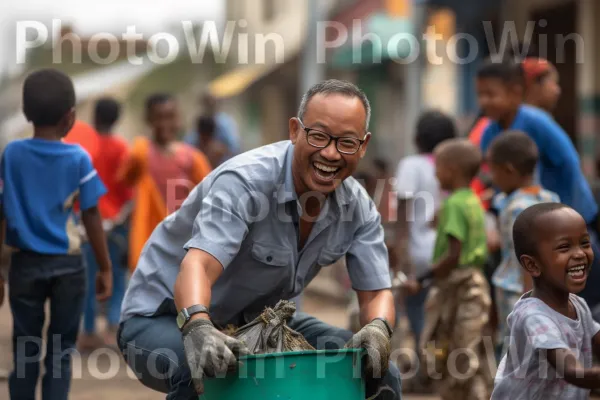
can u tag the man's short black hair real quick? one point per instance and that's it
(156, 99)
(508, 71)
(107, 112)
(433, 127)
(526, 229)
(206, 125)
(517, 149)
(48, 95)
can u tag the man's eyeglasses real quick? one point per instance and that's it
(343, 144)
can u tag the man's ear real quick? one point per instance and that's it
(294, 128)
(363, 148)
(531, 266)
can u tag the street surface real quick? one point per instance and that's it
(106, 376)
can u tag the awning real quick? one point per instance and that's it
(236, 81)
(396, 41)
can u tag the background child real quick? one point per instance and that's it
(512, 158)
(500, 88)
(552, 333)
(461, 301)
(500, 95)
(419, 197)
(114, 209)
(216, 152)
(41, 179)
(152, 164)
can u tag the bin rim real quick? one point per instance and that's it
(302, 353)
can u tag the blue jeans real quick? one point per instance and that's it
(415, 312)
(34, 278)
(153, 348)
(117, 249)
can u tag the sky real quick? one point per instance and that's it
(89, 17)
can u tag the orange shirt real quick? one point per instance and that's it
(475, 137)
(86, 136)
(113, 152)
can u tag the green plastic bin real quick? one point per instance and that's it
(299, 375)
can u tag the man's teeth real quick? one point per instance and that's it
(325, 168)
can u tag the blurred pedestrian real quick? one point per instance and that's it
(552, 334)
(41, 179)
(115, 208)
(500, 88)
(161, 169)
(541, 80)
(419, 198)
(215, 151)
(459, 302)
(512, 157)
(256, 231)
(226, 130)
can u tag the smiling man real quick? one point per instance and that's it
(258, 229)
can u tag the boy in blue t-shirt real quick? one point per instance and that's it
(500, 95)
(40, 180)
(500, 88)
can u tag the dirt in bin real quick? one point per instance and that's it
(269, 332)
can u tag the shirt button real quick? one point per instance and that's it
(269, 258)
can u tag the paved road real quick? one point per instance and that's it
(105, 376)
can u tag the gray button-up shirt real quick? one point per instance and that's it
(245, 214)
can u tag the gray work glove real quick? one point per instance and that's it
(375, 339)
(209, 352)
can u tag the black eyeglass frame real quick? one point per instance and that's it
(334, 138)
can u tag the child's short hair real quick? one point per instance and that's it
(517, 149)
(433, 127)
(508, 71)
(206, 125)
(107, 111)
(156, 99)
(525, 227)
(48, 95)
(460, 152)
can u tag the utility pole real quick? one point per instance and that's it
(311, 71)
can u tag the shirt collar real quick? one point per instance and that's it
(286, 191)
(501, 200)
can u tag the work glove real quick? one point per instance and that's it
(209, 352)
(375, 338)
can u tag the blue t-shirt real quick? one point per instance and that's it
(559, 167)
(40, 182)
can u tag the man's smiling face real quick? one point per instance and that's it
(322, 170)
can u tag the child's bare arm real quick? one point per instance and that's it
(566, 365)
(444, 267)
(450, 260)
(402, 238)
(596, 345)
(92, 221)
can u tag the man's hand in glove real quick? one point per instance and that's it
(209, 352)
(375, 339)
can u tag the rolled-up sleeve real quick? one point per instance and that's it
(367, 259)
(222, 222)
